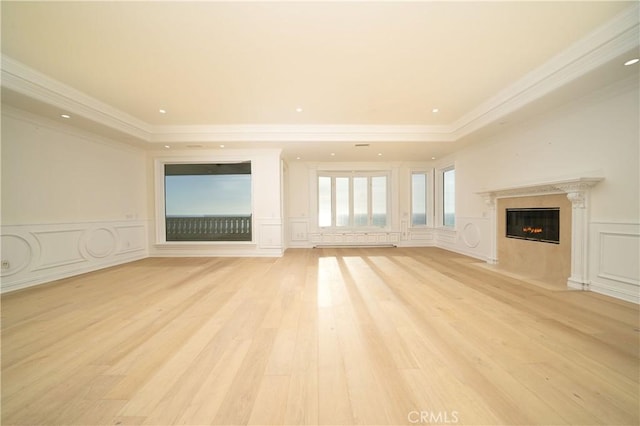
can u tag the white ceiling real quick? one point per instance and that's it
(235, 71)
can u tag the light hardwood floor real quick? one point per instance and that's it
(319, 336)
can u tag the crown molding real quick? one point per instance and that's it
(615, 38)
(302, 133)
(60, 126)
(36, 85)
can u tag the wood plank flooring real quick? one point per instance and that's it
(320, 336)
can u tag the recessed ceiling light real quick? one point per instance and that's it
(221, 146)
(632, 61)
(162, 111)
(299, 109)
(435, 110)
(167, 146)
(297, 158)
(379, 154)
(333, 154)
(65, 116)
(433, 158)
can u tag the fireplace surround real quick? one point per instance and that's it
(530, 257)
(577, 191)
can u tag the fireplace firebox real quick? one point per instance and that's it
(536, 224)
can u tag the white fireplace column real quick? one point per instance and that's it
(578, 193)
(490, 202)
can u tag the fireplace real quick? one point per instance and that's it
(532, 249)
(573, 199)
(535, 224)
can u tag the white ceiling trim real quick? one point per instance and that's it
(302, 133)
(36, 85)
(617, 37)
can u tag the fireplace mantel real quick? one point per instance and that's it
(577, 191)
(568, 186)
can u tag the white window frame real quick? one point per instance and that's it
(429, 173)
(350, 175)
(439, 210)
(160, 212)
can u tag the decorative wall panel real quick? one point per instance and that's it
(35, 254)
(17, 253)
(270, 234)
(470, 237)
(130, 238)
(299, 229)
(59, 247)
(100, 242)
(355, 238)
(614, 267)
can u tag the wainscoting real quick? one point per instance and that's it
(299, 236)
(298, 232)
(355, 238)
(469, 238)
(35, 254)
(614, 269)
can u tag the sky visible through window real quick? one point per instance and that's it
(419, 199)
(359, 201)
(449, 197)
(208, 195)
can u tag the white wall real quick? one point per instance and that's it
(71, 202)
(268, 239)
(597, 135)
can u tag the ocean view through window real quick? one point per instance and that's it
(208, 202)
(419, 199)
(449, 197)
(353, 201)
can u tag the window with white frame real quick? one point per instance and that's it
(354, 200)
(449, 197)
(420, 196)
(206, 202)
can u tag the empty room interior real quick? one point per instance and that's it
(334, 213)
